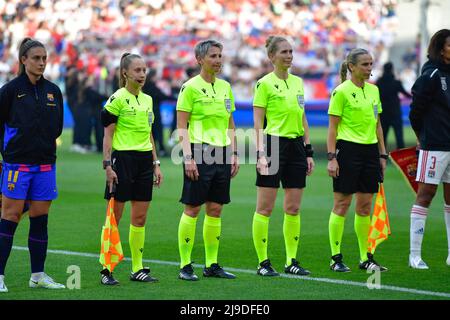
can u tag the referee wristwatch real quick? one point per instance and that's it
(331, 156)
(106, 163)
(157, 162)
(384, 156)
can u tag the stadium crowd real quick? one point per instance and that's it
(90, 35)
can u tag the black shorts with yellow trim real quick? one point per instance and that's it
(359, 168)
(213, 184)
(287, 163)
(134, 171)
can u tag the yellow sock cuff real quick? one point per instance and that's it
(336, 218)
(260, 217)
(213, 221)
(137, 229)
(188, 219)
(362, 219)
(291, 218)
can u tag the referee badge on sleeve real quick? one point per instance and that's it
(301, 101)
(228, 105)
(375, 110)
(150, 118)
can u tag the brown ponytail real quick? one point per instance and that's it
(343, 71)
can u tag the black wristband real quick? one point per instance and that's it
(235, 153)
(260, 154)
(106, 163)
(309, 151)
(384, 156)
(331, 156)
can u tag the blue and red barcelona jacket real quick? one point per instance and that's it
(31, 119)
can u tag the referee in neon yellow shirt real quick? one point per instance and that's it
(206, 131)
(288, 156)
(130, 158)
(356, 155)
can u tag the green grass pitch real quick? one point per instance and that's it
(77, 215)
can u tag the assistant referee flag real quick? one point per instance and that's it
(111, 248)
(379, 226)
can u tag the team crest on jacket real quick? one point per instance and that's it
(411, 169)
(50, 97)
(443, 84)
(11, 186)
(228, 104)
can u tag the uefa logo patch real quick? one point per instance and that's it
(228, 105)
(150, 118)
(301, 101)
(443, 84)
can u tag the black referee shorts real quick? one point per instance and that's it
(134, 171)
(359, 168)
(213, 184)
(287, 163)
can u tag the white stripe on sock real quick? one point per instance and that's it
(419, 210)
(447, 208)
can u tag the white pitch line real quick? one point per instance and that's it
(327, 280)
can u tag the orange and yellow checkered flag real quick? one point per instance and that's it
(111, 248)
(379, 227)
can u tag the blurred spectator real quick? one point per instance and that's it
(408, 76)
(71, 85)
(175, 90)
(158, 96)
(94, 101)
(82, 117)
(90, 34)
(391, 116)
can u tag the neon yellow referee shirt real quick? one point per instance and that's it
(210, 106)
(284, 101)
(134, 123)
(358, 109)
